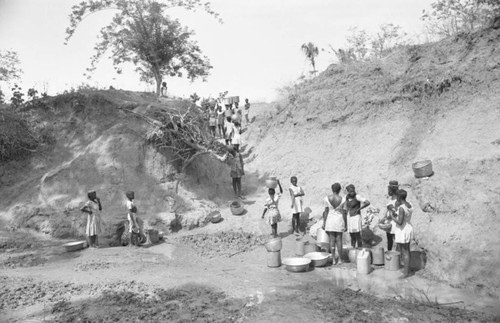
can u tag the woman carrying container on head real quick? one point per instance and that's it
(235, 161)
(353, 204)
(334, 221)
(401, 214)
(272, 210)
(93, 209)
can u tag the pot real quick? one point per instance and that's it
(237, 208)
(296, 264)
(318, 259)
(271, 182)
(274, 244)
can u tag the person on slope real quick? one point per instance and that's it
(236, 136)
(212, 120)
(334, 221)
(353, 203)
(93, 209)
(272, 210)
(133, 225)
(296, 193)
(247, 110)
(235, 161)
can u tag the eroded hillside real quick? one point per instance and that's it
(366, 123)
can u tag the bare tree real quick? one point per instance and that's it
(311, 51)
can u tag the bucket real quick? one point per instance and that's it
(237, 208)
(363, 261)
(300, 249)
(274, 244)
(422, 168)
(353, 254)
(378, 255)
(392, 260)
(274, 259)
(310, 247)
(153, 236)
(322, 238)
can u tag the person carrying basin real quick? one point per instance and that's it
(272, 210)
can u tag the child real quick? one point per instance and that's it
(212, 120)
(247, 110)
(296, 194)
(236, 140)
(133, 226)
(273, 212)
(93, 209)
(401, 214)
(353, 203)
(334, 222)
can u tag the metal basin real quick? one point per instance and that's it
(296, 264)
(74, 246)
(318, 259)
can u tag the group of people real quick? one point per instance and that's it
(93, 208)
(343, 213)
(225, 120)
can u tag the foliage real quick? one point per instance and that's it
(143, 34)
(388, 37)
(17, 97)
(357, 42)
(449, 17)
(16, 138)
(194, 97)
(311, 51)
(9, 66)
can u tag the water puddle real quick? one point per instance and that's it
(386, 283)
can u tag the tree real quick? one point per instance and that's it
(357, 43)
(141, 33)
(311, 51)
(9, 66)
(389, 36)
(449, 17)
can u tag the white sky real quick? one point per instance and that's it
(254, 52)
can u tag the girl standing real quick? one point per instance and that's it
(401, 214)
(133, 225)
(353, 204)
(272, 210)
(334, 222)
(236, 140)
(392, 190)
(296, 193)
(93, 209)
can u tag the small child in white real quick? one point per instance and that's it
(273, 212)
(133, 226)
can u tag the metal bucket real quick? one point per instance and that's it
(378, 255)
(422, 168)
(392, 260)
(274, 259)
(300, 247)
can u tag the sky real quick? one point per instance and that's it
(254, 52)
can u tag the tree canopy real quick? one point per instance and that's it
(9, 65)
(143, 34)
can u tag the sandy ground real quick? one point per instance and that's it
(200, 275)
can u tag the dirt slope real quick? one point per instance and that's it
(367, 123)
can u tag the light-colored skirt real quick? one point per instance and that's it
(403, 234)
(334, 222)
(273, 216)
(354, 223)
(93, 224)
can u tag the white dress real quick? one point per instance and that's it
(334, 220)
(297, 205)
(404, 232)
(131, 217)
(354, 223)
(273, 212)
(93, 219)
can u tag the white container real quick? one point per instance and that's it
(363, 261)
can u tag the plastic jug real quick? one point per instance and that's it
(363, 261)
(353, 254)
(274, 258)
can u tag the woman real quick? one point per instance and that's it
(353, 204)
(272, 210)
(334, 222)
(296, 193)
(93, 209)
(401, 214)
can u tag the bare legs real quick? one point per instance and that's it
(274, 228)
(295, 222)
(237, 186)
(405, 252)
(336, 242)
(356, 238)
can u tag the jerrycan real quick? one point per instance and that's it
(363, 261)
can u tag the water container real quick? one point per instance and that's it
(300, 247)
(322, 238)
(275, 244)
(392, 260)
(378, 255)
(271, 182)
(345, 252)
(274, 259)
(353, 254)
(363, 261)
